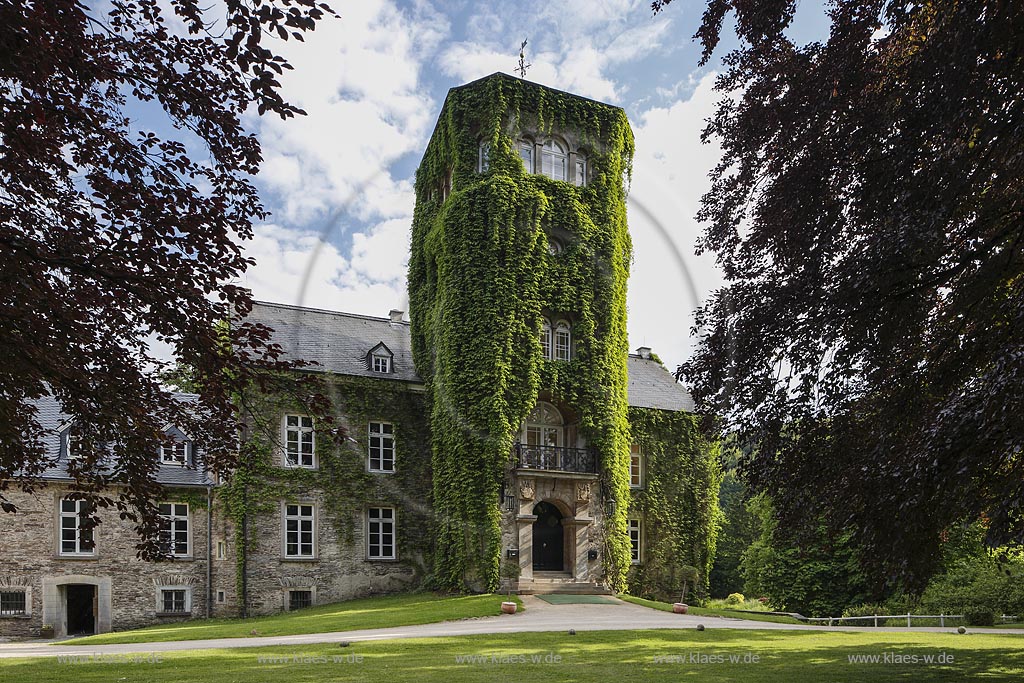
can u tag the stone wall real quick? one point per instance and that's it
(126, 587)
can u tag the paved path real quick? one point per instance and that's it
(538, 616)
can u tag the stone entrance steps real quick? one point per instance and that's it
(559, 582)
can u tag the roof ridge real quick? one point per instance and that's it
(311, 309)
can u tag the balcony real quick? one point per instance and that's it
(555, 459)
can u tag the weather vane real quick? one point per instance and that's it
(523, 66)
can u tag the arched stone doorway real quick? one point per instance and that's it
(548, 538)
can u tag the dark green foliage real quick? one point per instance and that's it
(678, 503)
(975, 579)
(866, 215)
(817, 579)
(480, 277)
(740, 528)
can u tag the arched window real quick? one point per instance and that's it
(545, 339)
(484, 161)
(544, 426)
(580, 178)
(563, 341)
(553, 160)
(526, 154)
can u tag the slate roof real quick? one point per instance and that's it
(339, 342)
(55, 422)
(652, 386)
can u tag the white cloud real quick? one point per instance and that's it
(669, 176)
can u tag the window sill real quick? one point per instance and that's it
(285, 558)
(62, 556)
(385, 560)
(311, 468)
(15, 616)
(380, 471)
(174, 614)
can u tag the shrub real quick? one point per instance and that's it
(735, 599)
(979, 616)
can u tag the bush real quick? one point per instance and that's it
(735, 599)
(979, 616)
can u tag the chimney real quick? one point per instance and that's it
(396, 315)
(644, 352)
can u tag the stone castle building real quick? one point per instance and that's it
(504, 434)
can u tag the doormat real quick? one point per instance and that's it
(565, 599)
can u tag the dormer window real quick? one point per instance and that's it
(380, 359)
(174, 454)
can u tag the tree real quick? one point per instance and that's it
(113, 236)
(867, 216)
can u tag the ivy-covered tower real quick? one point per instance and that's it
(517, 286)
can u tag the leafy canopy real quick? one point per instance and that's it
(112, 236)
(867, 215)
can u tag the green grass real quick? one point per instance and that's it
(380, 612)
(710, 612)
(782, 656)
(748, 604)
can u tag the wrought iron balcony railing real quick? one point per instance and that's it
(555, 458)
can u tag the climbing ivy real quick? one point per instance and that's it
(480, 280)
(341, 481)
(677, 504)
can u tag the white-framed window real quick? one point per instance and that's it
(73, 444)
(545, 339)
(299, 530)
(299, 441)
(563, 341)
(222, 550)
(297, 599)
(553, 160)
(174, 599)
(380, 533)
(544, 426)
(74, 540)
(14, 602)
(382, 447)
(174, 536)
(526, 154)
(484, 159)
(175, 454)
(580, 179)
(636, 467)
(634, 541)
(381, 362)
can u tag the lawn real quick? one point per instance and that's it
(381, 612)
(662, 655)
(711, 612)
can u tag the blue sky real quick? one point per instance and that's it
(339, 181)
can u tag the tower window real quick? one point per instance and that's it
(484, 161)
(563, 341)
(553, 160)
(526, 154)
